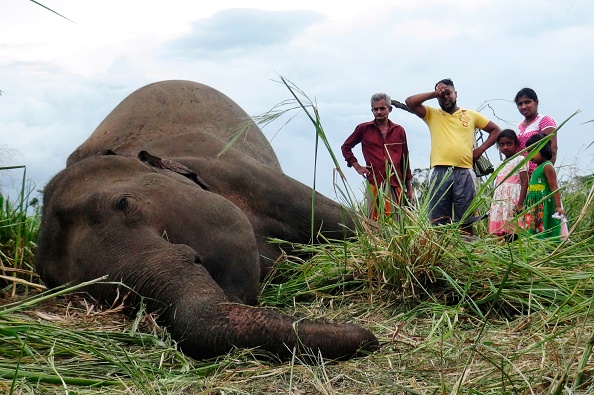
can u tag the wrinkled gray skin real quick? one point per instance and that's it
(184, 228)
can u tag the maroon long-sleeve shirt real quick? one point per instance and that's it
(378, 151)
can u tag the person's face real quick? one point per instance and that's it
(381, 110)
(538, 158)
(507, 146)
(527, 107)
(447, 100)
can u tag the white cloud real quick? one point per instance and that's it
(236, 32)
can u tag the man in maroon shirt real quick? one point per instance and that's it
(385, 151)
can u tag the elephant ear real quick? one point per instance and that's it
(172, 165)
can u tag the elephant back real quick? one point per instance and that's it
(168, 108)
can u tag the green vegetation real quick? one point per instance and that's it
(18, 233)
(454, 316)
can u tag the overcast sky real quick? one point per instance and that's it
(60, 79)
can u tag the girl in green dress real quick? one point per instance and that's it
(543, 201)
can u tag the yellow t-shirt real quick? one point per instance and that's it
(452, 136)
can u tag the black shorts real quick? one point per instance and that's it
(452, 189)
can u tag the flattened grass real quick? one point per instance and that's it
(57, 345)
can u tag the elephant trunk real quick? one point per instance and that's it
(228, 325)
(206, 323)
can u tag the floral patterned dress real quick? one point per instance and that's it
(540, 206)
(505, 198)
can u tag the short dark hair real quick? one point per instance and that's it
(445, 81)
(528, 92)
(547, 150)
(510, 134)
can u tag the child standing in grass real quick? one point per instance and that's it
(511, 187)
(543, 199)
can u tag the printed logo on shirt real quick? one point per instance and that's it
(464, 118)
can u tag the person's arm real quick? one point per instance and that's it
(493, 131)
(547, 131)
(415, 102)
(551, 176)
(523, 190)
(546, 126)
(347, 153)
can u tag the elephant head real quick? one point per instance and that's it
(184, 229)
(189, 252)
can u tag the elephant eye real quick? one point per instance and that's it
(121, 203)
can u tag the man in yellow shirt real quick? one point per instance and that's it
(452, 152)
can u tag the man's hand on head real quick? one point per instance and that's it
(441, 89)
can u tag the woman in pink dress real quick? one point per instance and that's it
(527, 103)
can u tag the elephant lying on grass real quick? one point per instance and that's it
(146, 200)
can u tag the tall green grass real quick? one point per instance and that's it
(417, 262)
(18, 235)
